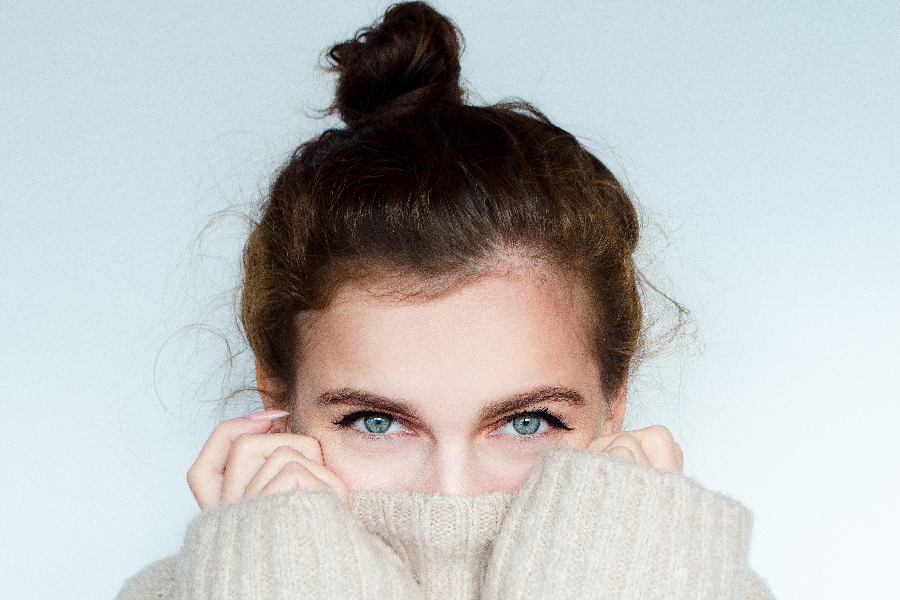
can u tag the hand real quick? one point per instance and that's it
(241, 460)
(652, 446)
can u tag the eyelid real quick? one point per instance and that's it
(356, 415)
(542, 412)
(349, 419)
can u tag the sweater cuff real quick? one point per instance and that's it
(589, 525)
(296, 544)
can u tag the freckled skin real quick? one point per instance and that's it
(513, 331)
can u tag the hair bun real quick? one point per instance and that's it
(407, 61)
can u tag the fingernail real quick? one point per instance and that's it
(267, 415)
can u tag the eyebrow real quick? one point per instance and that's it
(490, 411)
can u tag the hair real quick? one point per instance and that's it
(420, 184)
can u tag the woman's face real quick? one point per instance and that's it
(423, 396)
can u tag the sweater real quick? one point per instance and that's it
(584, 525)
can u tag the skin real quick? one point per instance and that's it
(518, 330)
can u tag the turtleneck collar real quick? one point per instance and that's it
(447, 540)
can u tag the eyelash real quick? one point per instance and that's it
(542, 412)
(348, 420)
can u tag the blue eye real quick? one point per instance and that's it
(376, 423)
(525, 424)
(522, 424)
(529, 423)
(371, 422)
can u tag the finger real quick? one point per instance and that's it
(629, 442)
(264, 482)
(661, 448)
(205, 475)
(250, 452)
(601, 443)
(293, 475)
(621, 452)
(272, 467)
(335, 484)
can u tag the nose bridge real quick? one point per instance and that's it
(452, 469)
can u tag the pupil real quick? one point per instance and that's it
(529, 425)
(377, 424)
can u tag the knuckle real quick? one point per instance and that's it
(306, 445)
(602, 442)
(299, 476)
(242, 439)
(293, 468)
(622, 452)
(226, 429)
(284, 452)
(221, 429)
(626, 438)
(243, 443)
(661, 433)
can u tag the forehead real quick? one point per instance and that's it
(513, 329)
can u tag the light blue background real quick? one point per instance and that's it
(761, 139)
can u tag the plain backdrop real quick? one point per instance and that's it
(759, 138)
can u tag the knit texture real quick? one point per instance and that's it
(155, 582)
(590, 526)
(298, 544)
(445, 540)
(583, 526)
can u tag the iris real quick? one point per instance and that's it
(377, 423)
(526, 424)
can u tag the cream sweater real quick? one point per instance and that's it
(584, 525)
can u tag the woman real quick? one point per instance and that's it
(443, 306)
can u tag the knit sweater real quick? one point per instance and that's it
(584, 525)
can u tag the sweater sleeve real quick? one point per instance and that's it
(156, 581)
(301, 544)
(588, 525)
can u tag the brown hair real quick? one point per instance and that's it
(419, 183)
